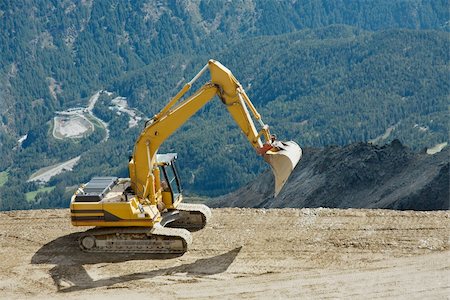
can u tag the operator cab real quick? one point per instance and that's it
(170, 180)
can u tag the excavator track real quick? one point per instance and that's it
(192, 217)
(157, 240)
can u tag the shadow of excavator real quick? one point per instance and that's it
(69, 263)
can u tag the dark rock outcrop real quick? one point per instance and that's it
(359, 176)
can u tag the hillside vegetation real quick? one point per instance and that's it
(320, 73)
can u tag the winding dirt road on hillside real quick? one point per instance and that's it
(243, 253)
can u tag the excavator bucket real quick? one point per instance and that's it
(283, 162)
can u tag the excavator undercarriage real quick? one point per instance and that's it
(170, 235)
(173, 239)
(158, 240)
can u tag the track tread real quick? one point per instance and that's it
(157, 237)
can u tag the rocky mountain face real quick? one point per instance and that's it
(358, 176)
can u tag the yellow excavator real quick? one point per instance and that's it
(145, 213)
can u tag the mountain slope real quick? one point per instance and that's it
(314, 80)
(81, 46)
(357, 176)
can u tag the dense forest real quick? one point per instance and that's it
(319, 72)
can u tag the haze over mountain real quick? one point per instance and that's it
(320, 73)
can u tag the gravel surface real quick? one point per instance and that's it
(242, 253)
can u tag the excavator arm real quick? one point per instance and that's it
(144, 173)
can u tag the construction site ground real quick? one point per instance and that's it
(243, 253)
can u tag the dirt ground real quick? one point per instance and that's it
(73, 126)
(243, 253)
(46, 173)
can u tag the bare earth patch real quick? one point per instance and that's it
(241, 254)
(44, 174)
(71, 126)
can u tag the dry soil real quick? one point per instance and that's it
(243, 253)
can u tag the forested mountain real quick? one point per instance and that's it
(320, 72)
